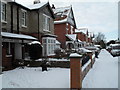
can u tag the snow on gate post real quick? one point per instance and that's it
(75, 71)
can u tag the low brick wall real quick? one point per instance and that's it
(61, 64)
(88, 67)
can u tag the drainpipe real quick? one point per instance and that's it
(18, 20)
(38, 26)
(11, 18)
(0, 45)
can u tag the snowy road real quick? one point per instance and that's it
(104, 73)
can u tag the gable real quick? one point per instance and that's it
(71, 18)
(46, 10)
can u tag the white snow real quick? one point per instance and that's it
(83, 50)
(82, 30)
(35, 78)
(75, 55)
(6, 34)
(104, 73)
(62, 10)
(35, 42)
(57, 42)
(113, 45)
(61, 21)
(53, 59)
(79, 41)
(72, 36)
(37, 6)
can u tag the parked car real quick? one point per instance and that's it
(115, 52)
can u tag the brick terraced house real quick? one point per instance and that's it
(65, 26)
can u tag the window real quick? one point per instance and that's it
(23, 19)
(48, 46)
(46, 23)
(3, 11)
(71, 29)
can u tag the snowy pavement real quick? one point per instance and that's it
(104, 73)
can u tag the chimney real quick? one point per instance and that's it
(36, 1)
(53, 7)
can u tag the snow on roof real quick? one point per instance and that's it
(75, 55)
(35, 42)
(61, 21)
(97, 45)
(20, 36)
(113, 45)
(62, 10)
(60, 13)
(92, 47)
(84, 50)
(72, 36)
(82, 30)
(57, 42)
(37, 6)
(79, 40)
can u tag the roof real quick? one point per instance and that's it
(37, 6)
(18, 36)
(35, 42)
(72, 36)
(62, 15)
(57, 42)
(79, 41)
(114, 45)
(81, 30)
(84, 50)
(62, 11)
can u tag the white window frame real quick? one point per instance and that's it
(46, 24)
(50, 46)
(71, 29)
(23, 18)
(4, 12)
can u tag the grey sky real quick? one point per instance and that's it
(97, 16)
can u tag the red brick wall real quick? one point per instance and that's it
(69, 28)
(6, 61)
(60, 31)
(81, 36)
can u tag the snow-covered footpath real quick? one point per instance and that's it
(104, 73)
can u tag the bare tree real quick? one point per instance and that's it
(99, 37)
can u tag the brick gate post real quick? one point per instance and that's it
(75, 71)
(90, 55)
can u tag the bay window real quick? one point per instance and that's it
(48, 46)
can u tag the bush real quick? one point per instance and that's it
(35, 51)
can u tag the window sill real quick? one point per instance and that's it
(8, 56)
(46, 30)
(5, 22)
(24, 26)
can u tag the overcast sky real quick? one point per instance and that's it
(96, 15)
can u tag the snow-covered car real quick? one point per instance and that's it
(115, 52)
